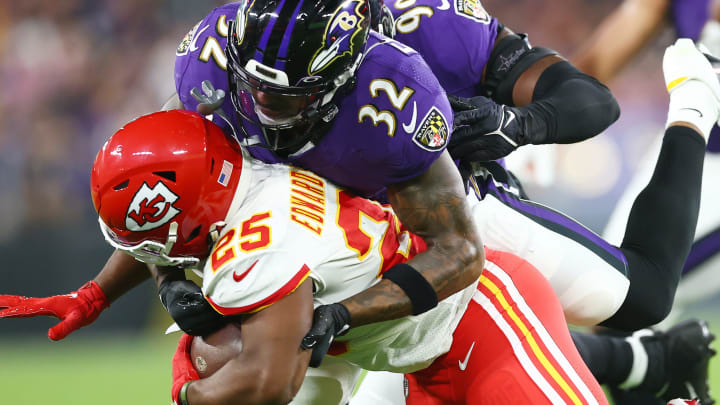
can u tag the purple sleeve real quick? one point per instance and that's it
(689, 17)
(455, 37)
(201, 56)
(419, 108)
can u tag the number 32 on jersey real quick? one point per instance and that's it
(398, 99)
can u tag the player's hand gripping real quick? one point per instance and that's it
(183, 370)
(484, 130)
(188, 307)
(328, 321)
(75, 310)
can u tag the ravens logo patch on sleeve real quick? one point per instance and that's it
(472, 9)
(433, 133)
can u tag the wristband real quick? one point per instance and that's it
(182, 397)
(422, 295)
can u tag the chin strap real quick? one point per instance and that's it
(150, 252)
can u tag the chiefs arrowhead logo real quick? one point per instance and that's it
(151, 208)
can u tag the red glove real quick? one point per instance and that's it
(75, 310)
(182, 367)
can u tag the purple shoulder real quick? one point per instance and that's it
(201, 56)
(398, 118)
(455, 37)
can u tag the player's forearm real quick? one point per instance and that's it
(245, 384)
(434, 207)
(557, 103)
(160, 274)
(446, 270)
(619, 37)
(567, 106)
(548, 99)
(120, 274)
(271, 367)
(249, 386)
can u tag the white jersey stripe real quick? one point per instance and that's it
(518, 348)
(545, 337)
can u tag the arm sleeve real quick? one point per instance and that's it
(568, 106)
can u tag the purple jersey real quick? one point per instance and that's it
(201, 56)
(689, 17)
(454, 37)
(390, 128)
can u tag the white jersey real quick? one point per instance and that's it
(286, 224)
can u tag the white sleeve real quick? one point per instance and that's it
(254, 282)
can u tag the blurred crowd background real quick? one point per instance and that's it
(74, 71)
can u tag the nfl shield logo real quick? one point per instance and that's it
(433, 132)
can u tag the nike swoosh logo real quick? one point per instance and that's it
(194, 48)
(411, 128)
(511, 116)
(694, 109)
(240, 277)
(445, 4)
(463, 364)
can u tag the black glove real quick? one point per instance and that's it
(484, 130)
(186, 304)
(328, 321)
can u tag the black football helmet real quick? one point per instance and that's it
(290, 60)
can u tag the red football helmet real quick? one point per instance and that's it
(162, 184)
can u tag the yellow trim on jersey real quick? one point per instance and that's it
(291, 291)
(536, 349)
(676, 82)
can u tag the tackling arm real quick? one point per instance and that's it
(121, 274)
(432, 206)
(271, 366)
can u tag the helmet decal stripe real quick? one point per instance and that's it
(285, 44)
(285, 11)
(263, 45)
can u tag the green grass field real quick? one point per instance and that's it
(108, 371)
(104, 370)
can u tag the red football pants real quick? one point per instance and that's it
(512, 346)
